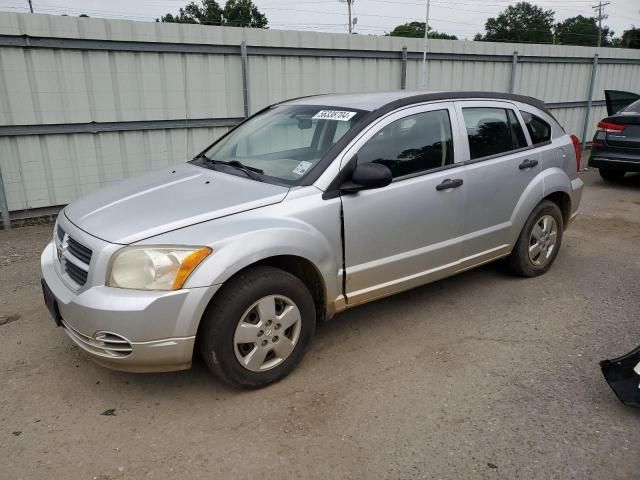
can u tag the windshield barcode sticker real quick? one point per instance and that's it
(302, 167)
(340, 115)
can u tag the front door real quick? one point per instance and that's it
(409, 232)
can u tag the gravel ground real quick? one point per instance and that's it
(478, 376)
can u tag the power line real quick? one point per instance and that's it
(119, 13)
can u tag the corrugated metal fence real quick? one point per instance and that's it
(85, 102)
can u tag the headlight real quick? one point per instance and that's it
(154, 268)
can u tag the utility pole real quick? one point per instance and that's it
(601, 16)
(349, 3)
(30, 6)
(426, 41)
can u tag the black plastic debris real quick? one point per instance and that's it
(623, 376)
(16, 434)
(109, 413)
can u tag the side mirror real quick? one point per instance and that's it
(367, 176)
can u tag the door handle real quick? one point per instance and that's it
(528, 164)
(449, 183)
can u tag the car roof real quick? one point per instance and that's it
(394, 99)
(360, 101)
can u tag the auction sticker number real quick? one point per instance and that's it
(340, 115)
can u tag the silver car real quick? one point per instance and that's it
(310, 207)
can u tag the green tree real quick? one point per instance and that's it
(236, 13)
(416, 30)
(244, 13)
(208, 13)
(581, 30)
(522, 22)
(631, 38)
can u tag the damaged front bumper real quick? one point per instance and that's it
(623, 376)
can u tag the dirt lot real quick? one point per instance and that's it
(479, 376)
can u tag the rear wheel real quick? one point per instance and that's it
(257, 328)
(539, 241)
(611, 174)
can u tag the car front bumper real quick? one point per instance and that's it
(129, 330)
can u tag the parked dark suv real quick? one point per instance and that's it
(616, 144)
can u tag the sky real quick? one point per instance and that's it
(463, 18)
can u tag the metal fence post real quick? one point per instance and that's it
(403, 74)
(592, 85)
(514, 69)
(4, 207)
(245, 77)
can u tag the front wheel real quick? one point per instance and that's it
(611, 174)
(256, 330)
(539, 241)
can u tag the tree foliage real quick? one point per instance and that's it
(236, 13)
(582, 30)
(416, 30)
(522, 22)
(631, 38)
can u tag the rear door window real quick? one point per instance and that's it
(492, 131)
(539, 130)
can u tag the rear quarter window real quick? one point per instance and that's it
(539, 130)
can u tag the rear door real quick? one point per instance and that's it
(500, 166)
(618, 100)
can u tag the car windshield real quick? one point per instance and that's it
(283, 143)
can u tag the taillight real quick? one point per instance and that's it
(578, 148)
(609, 127)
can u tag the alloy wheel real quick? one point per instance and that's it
(543, 239)
(267, 333)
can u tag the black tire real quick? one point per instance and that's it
(519, 262)
(611, 174)
(217, 330)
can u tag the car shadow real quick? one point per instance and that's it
(630, 180)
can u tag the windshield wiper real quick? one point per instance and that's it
(251, 172)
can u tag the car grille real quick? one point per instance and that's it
(79, 251)
(76, 273)
(73, 256)
(105, 344)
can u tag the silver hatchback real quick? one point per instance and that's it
(309, 207)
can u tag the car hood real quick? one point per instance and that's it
(168, 199)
